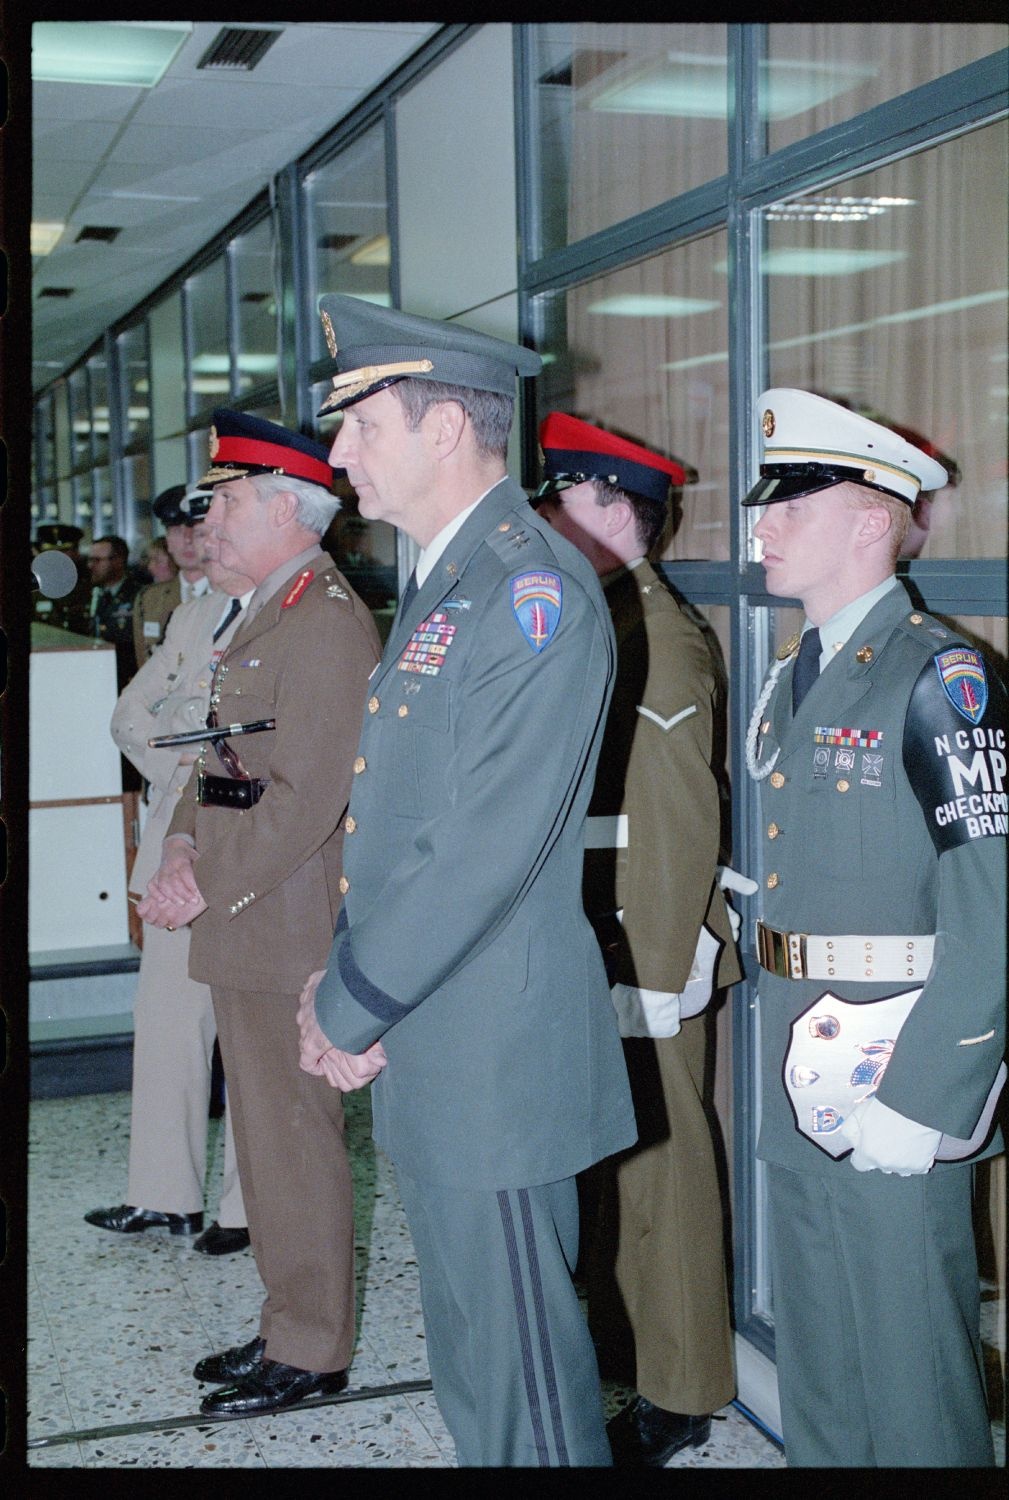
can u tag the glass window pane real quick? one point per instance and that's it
(136, 477)
(80, 419)
(348, 229)
(135, 385)
(257, 306)
(990, 634)
(45, 435)
(625, 116)
(84, 514)
(207, 313)
(880, 297)
(99, 407)
(819, 75)
(642, 351)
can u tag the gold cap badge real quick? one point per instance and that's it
(768, 423)
(213, 442)
(329, 331)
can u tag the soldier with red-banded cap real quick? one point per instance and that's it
(879, 745)
(253, 858)
(655, 1270)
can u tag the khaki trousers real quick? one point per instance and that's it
(173, 1042)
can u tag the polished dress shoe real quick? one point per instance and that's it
(233, 1364)
(129, 1220)
(218, 1241)
(271, 1386)
(643, 1436)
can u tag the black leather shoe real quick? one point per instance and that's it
(218, 1241)
(129, 1220)
(271, 1387)
(233, 1364)
(644, 1436)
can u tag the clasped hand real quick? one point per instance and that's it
(342, 1070)
(173, 897)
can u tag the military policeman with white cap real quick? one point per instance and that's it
(879, 744)
(464, 977)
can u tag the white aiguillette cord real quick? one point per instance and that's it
(756, 771)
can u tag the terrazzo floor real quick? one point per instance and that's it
(115, 1324)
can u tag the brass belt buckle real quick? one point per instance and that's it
(781, 953)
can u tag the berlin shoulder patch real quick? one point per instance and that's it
(537, 598)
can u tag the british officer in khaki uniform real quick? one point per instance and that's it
(655, 1266)
(879, 745)
(253, 859)
(173, 1019)
(153, 606)
(464, 977)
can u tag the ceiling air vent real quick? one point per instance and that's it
(106, 232)
(237, 49)
(57, 291)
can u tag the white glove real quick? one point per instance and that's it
(887, 1141)
(645, 1012)
(731, 880)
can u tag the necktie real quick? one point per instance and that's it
(807, 667)
(234, 608)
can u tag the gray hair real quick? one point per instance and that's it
(316, 506)
(489, 412)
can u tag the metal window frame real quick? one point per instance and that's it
(966, 99)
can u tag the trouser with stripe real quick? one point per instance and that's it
(512, 1364)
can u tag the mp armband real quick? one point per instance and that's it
(955, 748)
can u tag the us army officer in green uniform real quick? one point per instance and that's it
(655, 1266)
(879, 743)
(464, 975)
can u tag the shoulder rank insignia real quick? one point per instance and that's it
(298, 588)
(790, 647)
(536, 600)
(961, 672)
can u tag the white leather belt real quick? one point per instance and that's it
(805, 955)
(607, 832)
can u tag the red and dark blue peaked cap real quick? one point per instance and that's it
(241, 445)
(575, 448)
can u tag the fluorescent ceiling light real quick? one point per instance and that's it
(650, 305)
(152, 197)
(909, 315)
(694, 86)
(834, 210)
(135, 54)
(820, 261)
(211, 385)
(220, 364)
(45, 236)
